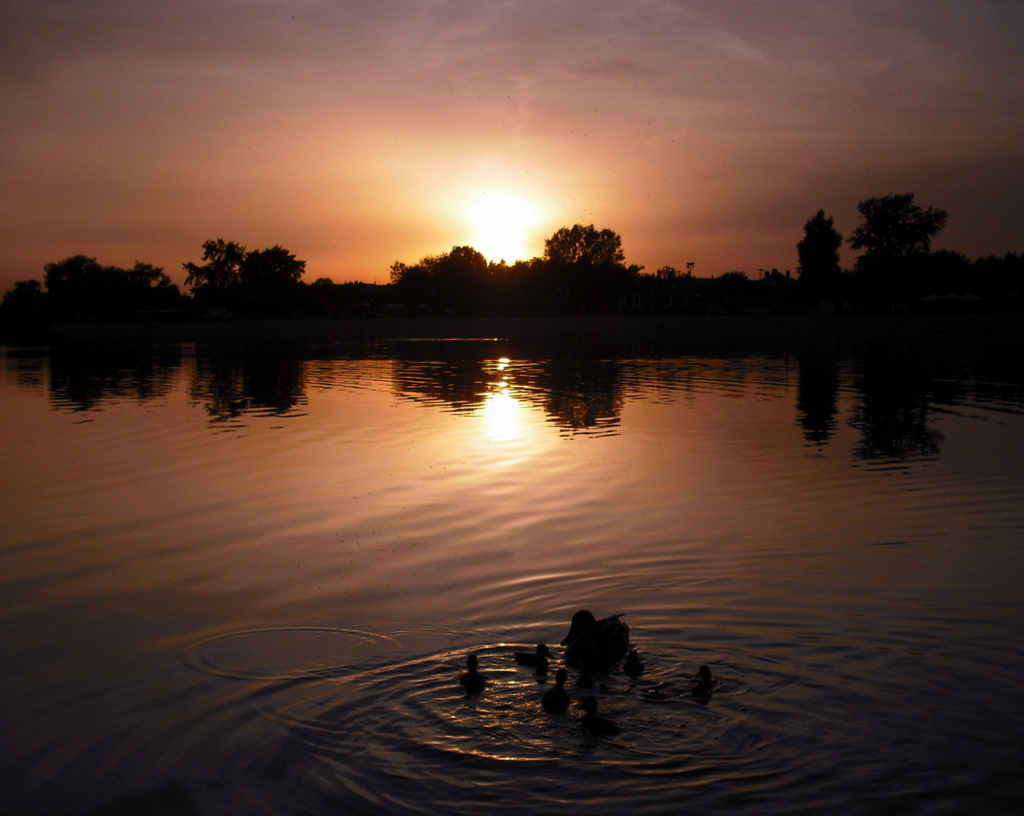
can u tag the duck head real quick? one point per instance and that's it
(581, 622)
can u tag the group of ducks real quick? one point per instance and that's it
(593, 647)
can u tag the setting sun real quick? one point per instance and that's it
(502, 224)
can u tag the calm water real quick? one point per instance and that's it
(245, 580)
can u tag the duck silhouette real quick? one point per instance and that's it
(556, 699)
(595, 646)
(702, 683)
(537, 659)
(594, 723)
(473, 681)
(633, 666)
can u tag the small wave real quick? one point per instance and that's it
(284, 653)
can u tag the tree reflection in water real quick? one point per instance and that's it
(231, 381)
(817, 400)
(895, 389)
(894, 407)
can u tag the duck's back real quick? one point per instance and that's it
(601, 647)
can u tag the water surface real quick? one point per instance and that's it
(246, 580)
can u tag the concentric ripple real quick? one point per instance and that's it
(384, 734)
(284, 653)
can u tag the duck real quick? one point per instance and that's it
(703, 683)
(537, 659)
(595, 646)
(597, 725)
(556, 699)
(633, 666)
(473, 681)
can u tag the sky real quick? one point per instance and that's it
(358, 133)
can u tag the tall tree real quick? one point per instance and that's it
(818, 256)
(75, 286)
(894, 232)
(896, 227)
(213, 283)
(24, 301)
(586, 270)
(460, 278)
(268, 281)
(584, 245)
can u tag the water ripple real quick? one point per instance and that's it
(381, 731)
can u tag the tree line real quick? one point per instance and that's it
(897, 268)
(583, 271)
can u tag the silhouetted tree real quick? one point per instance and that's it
(585, 267)
(269, 282)
(74, 286)
(79, 288)
(460, 278)
(214, 283)
(893, 229)
(528, 285)
(263, 282)
(584, 245)
(25, 301)
(147, 287)
(325, 298)
(818, 256)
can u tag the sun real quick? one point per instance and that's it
(503, 224)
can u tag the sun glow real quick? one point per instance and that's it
(503, 224)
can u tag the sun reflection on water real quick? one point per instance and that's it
(501, 410)
(503, 415)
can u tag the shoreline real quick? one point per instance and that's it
(524, 325)
(666, 333)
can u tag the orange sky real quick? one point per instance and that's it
(360, 133)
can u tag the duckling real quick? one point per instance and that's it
(473, 681)
(556, 699)
(633, 666)
(595, 646)
(537, 659)
(598, 726)
(703, 685)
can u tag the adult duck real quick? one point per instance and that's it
(556, 699)
(595, 646)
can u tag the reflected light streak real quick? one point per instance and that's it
(502, 411)
(508, 417)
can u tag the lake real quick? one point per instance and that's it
(243, 576)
